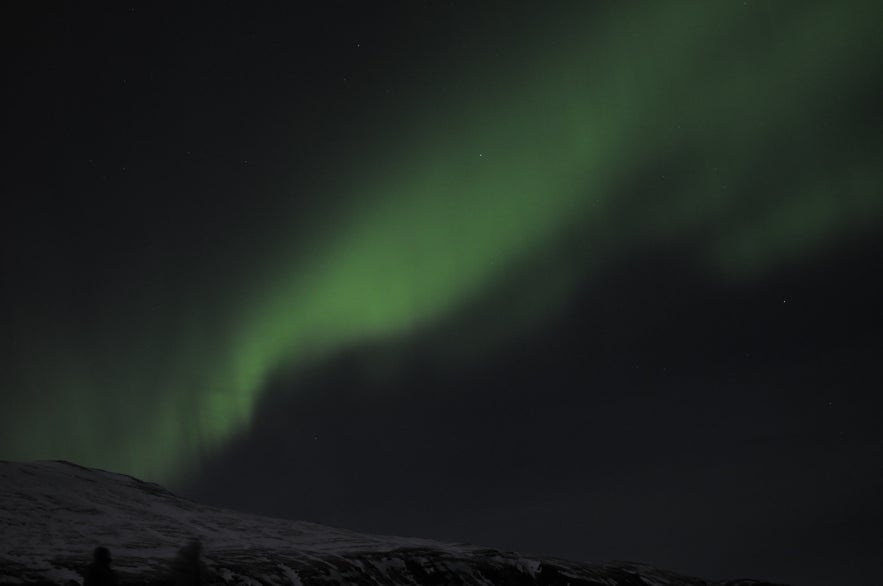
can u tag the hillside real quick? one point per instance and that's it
(53, 514)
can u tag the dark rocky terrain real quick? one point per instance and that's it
(53, 514)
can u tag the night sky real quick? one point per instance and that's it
(596, 280)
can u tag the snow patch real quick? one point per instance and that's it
(291, 574)
(528, 566)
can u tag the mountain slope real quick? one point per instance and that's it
(53, 514)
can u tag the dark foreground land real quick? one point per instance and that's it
(54, 514)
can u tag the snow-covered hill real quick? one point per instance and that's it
(53, 514)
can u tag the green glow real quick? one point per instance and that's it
(743, 112)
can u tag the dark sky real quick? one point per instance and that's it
(577, 279)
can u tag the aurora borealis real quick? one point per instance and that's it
(186, 234)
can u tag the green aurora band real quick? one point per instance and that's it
(727, 126)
